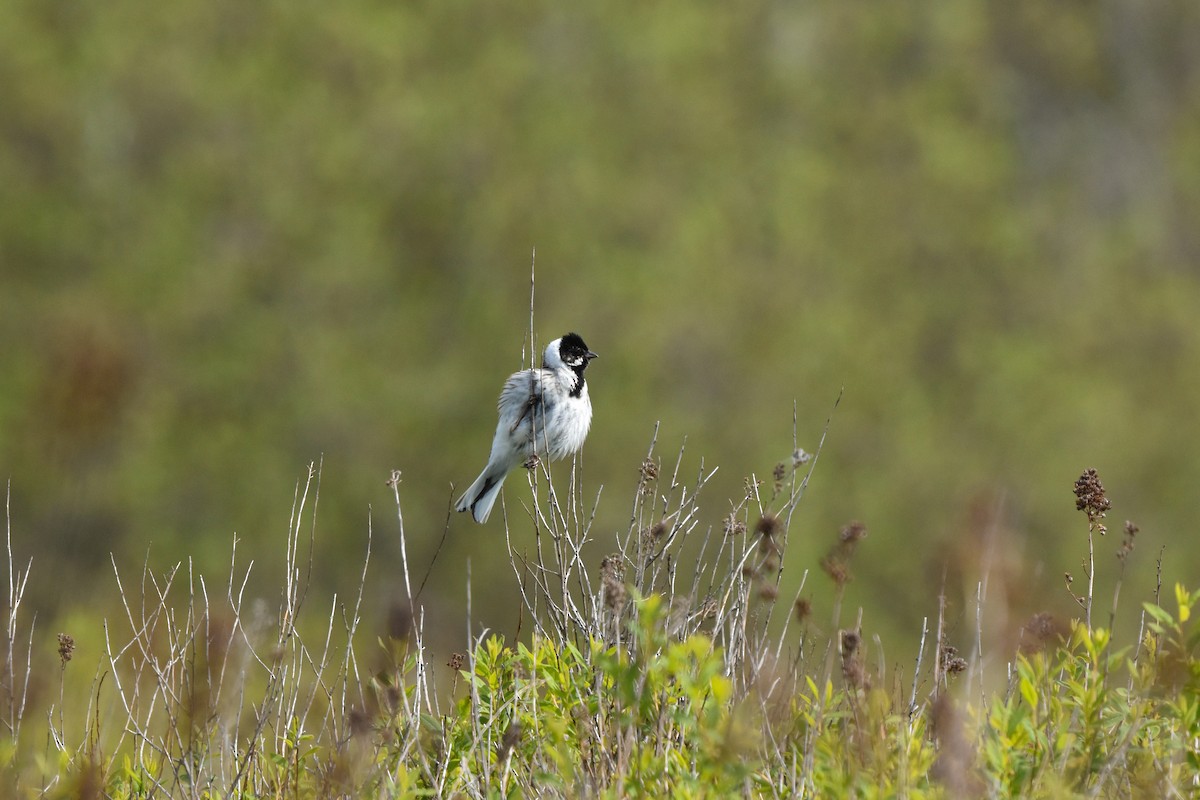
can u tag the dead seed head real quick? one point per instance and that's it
(734, 526)
(942, 714)
(852, 668)
(853, 532)
(400, 620)
(1126, 547)
(658, 530)
(836, 563)
(1090, 497)
(614, 596)
(803, 608)
(456, 661)
(66, 647)
(800, 457)
(836, 570)
(952, 663)
(649, 469)
(360, 722)
(854, 674)
(647, 474)
(768, 592)
(768, 525)
(391, 697)
(612, 567)
(778, 474)
(612, 577)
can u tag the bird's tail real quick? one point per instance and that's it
(482, 495)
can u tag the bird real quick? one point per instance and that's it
(544, 413)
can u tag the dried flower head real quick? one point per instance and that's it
(614, 596)
(612, 566)
(767, 526)
(647, 474)
(399, 620)
(836, 569)
(456, 661)
(852, 669)
(803, 608)
(836, 563)
(769, 547)
(359, 721)
(768, 592)
(734, 526)
(800, 457)
(853, 532)
(612, 578)
(66, 647)
(854, 674)
(952, 663)
(1091, 499)
(390, 697)
(1126, 547)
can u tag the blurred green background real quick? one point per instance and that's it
(237, 237)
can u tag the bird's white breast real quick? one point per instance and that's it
(567, 425)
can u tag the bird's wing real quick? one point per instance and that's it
(522, 390)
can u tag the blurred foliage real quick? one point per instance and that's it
(239, 237)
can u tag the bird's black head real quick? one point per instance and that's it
(574, 352)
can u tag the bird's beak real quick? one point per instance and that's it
(590, 355)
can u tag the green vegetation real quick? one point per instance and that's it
(238, 238)
(627, 683)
